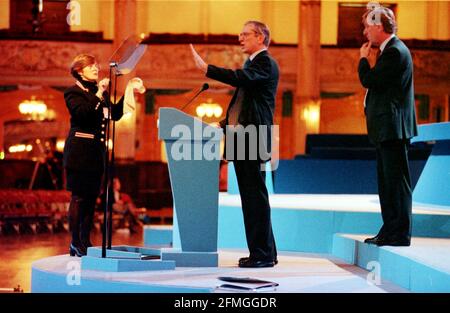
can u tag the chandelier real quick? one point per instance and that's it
(209, 109)
(33, 109)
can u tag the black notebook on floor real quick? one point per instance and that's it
(246, 284)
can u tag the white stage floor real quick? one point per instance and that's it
(327, 202)
(295, 273)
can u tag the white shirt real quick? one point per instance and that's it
(254, 54)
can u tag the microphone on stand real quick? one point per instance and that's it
(204, 87)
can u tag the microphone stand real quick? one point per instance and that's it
(204, 87)
(112, 165)
(109, 166)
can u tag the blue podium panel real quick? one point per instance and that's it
(433, 186)
(195, 186)
(193, 154)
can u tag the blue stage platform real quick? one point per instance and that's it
(307, 223)
(306, 228)
(422, 267)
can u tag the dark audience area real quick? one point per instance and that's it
(32, 199)
(148, 184)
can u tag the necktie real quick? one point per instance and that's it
(236, 107)
(377, 56)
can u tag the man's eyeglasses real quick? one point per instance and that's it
(246, 34)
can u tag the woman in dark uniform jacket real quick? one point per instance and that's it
(85, 149)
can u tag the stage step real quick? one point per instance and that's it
(421, 267)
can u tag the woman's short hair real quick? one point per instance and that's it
(381, 16)
(80, 62)
(262, 29)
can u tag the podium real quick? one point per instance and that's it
(193, 155)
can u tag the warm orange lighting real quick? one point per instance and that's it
(209, 109)
(33, 108)
(60, 145)
(311, 113)
(20, 148)
(311, 116)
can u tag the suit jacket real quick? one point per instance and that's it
(258, 82)
(85, 145)
(390, 110)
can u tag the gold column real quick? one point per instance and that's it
(125, 25)
(267, 9)
(307, 96)
(437, 22)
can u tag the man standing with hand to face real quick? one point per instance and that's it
(391, 122)
(253, 104)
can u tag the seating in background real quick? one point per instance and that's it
(33, 211)
(148, 184)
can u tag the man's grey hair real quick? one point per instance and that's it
(262, 29)
(380, 15)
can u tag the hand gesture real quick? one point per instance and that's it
(103, 85)
(199, 63)
(364, 51)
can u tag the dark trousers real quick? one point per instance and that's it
(394, 189)
(256, 209)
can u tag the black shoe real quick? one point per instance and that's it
(373, 240)
(78, 251)
(242, 260)
(257, 263)
(396, 242)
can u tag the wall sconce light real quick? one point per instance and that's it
(60, 145)
(311, 114)
(209, 109)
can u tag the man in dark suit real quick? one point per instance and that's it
(251, 108)
(391, 122)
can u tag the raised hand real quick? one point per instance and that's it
(199, 63)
